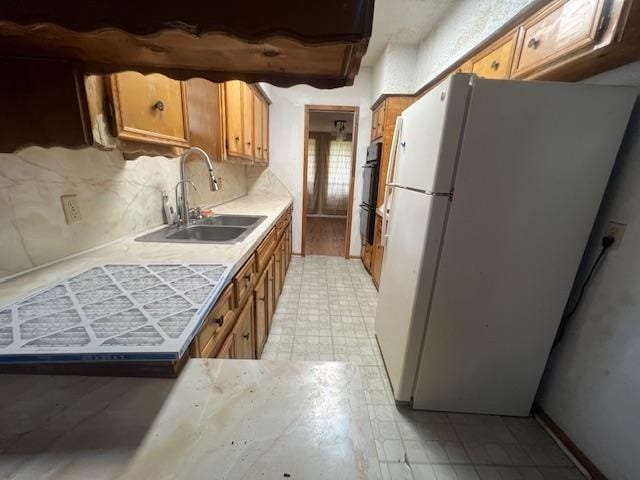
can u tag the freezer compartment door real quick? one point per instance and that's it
(413, 243)
(431, 132)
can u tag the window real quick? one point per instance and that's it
(311, 165)
(338, 177)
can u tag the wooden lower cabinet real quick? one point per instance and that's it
(365, 255)
(271, 291)
(238, 324)
(243, 334)
(377, 252)
(261, 308)
(227, 350)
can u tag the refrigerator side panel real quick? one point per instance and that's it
(534, 164)
(414, 236)
(431, 130)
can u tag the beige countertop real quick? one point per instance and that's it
(129, 251)
(222, 419)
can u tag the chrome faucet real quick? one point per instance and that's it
(183, 206)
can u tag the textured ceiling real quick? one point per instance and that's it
(402, 21)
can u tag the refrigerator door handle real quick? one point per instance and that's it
(391, 168)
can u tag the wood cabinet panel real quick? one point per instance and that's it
(496, 62)
(216, 327)
(243, 281)
(279, 268)
(377, 252)
(151, 109)
(43, 103)
(204, 107)
(271, 291)
(247, 120)
(393, 107)
(227, 350)
(243, 334)
(233, 118)
(265, 249)
(261, 305)
(377, 121)
(265, 133)
(258, 105)
(366, 255)
(564, 27)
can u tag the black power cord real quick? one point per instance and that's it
(606, 243)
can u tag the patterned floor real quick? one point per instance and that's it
(326, 312)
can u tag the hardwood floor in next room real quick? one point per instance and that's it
(325, 236)
(326, 313)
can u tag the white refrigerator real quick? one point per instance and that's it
(492, 190)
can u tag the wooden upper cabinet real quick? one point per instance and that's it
(149, 109)
(204, 107)
(561, 29)
(283, 42)
(265, 133)
(247, 120)
(377, 121)
(257, 129)
(233, 118)
(495, 62)
(43, 103)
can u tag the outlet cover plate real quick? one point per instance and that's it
(615, 230)
(71, 208)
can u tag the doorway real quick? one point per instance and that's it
(330, 135)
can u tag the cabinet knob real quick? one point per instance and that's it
(494, 65)
(262, 299)
(159, 105)
(533, 43)
(246, 336)
(237, 139)
(248, 143)
(219, 320)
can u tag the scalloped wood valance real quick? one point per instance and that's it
(283, 42)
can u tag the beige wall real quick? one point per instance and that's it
(117, 198)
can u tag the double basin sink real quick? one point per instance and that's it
(216, 229)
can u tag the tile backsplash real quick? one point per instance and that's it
(116, 198)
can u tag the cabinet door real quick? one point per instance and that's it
(279, 270)
(150, 109)
(265, 133)
(257, 128)
(496, 63)
(243, 341)
(271, 292)
(233, 117)
(247, 120)
(216, 327)
(261, 302)
(205, 120)
(564, 27)
(227, 348)
(365, 255)
(377, 125)
(378, 252)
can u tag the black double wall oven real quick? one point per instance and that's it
(370, 174)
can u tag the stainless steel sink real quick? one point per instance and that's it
(216, 229)
(233, 220)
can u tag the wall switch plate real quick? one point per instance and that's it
(615, 230)
(71, 208)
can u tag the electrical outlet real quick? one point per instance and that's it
(615, 230)
(71, 208)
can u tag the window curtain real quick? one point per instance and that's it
(328, 175)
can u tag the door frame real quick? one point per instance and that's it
(308, 109)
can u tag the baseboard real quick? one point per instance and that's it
(571, 447)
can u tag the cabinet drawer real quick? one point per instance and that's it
(217, 325)
(264, 250)
(149, 108)
(243, 281)
(565, 27)
(496, 63)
